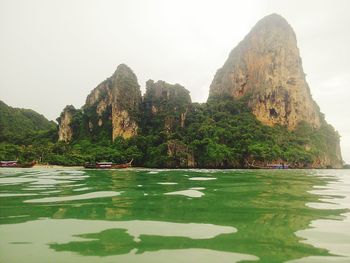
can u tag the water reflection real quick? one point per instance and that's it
(92, 195)
(269, 216)
(106, 238)
(331, 233)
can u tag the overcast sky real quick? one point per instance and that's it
(52, 53)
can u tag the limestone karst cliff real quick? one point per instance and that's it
(169, 102)
(65, 131)
(260, 111)
(164, 110)
(266, 69)
(120, 95)
(267, 66)
(111, 107)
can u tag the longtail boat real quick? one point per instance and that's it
(277, 166)
(269, 166)
(15, 164)
(107, 165)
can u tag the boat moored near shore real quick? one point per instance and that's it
(107, 165)
(16, 164)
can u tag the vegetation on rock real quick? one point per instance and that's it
(222, 133)
(259, 111)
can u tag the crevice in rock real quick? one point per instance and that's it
(273, 113)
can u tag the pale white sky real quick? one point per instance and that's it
(52, 53)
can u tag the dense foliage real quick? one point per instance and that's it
(18, 124)
(219, 133)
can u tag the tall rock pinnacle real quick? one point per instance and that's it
(267, 66)
(118, 98)
(65, 131)
(110, 108)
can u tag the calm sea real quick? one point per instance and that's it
(139, 215)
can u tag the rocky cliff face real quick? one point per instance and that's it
(266, 69)
(167, 101)
(65, 130)
(111, 107)
(267, 66)
(117, 100)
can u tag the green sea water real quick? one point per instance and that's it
(140, 215)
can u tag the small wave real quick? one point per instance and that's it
(92, 195)
(188, 193)
(10, 194)
(202, 178)
(197, 188)
(81, 189)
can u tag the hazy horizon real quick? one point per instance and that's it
(54, 53)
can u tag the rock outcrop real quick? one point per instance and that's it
(167, 101)
(115, 100)
(179, 155)
(110, 108)
(65, 129)
(266, 66)
(263, 73)
(266, 70)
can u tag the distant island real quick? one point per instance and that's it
(259, 112)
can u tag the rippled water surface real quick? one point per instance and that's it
(137, 215)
